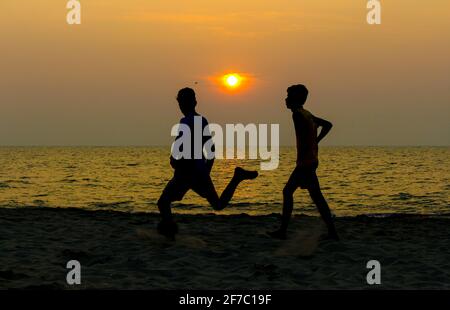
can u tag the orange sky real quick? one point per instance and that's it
(112, 80)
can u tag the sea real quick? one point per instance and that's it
(376, 181)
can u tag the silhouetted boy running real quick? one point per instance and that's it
(191, 173)
(304, 175)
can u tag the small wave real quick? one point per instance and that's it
(39, 203)
(355, 205)
(184, 206)
(400, 215)
(68, 180)
(4, 185)
(402, 196)
(20, 181)
(231, 205)
(105, 205)
(91, 185)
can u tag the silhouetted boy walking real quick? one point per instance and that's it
(304, 175)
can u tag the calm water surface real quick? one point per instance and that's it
(355, 180)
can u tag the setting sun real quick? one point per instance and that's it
(232, 80)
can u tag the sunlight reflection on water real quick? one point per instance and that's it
(355, 180)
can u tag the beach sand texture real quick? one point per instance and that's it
(119, 250)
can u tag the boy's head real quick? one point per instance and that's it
(186, 100)
(296, 96)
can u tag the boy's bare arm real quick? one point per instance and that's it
(297, 121)
(326, 127)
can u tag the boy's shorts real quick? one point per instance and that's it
(304, 177)
(200, 182)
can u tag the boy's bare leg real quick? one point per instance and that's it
(167, 226)
(322, 206)
(239, 176)
(164, 209)
(288, 205)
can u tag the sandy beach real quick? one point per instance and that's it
(120, 250)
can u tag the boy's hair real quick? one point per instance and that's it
(299, 91)
(187, 95)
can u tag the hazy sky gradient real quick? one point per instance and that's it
(113, 79)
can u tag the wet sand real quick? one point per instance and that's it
(122, 251)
